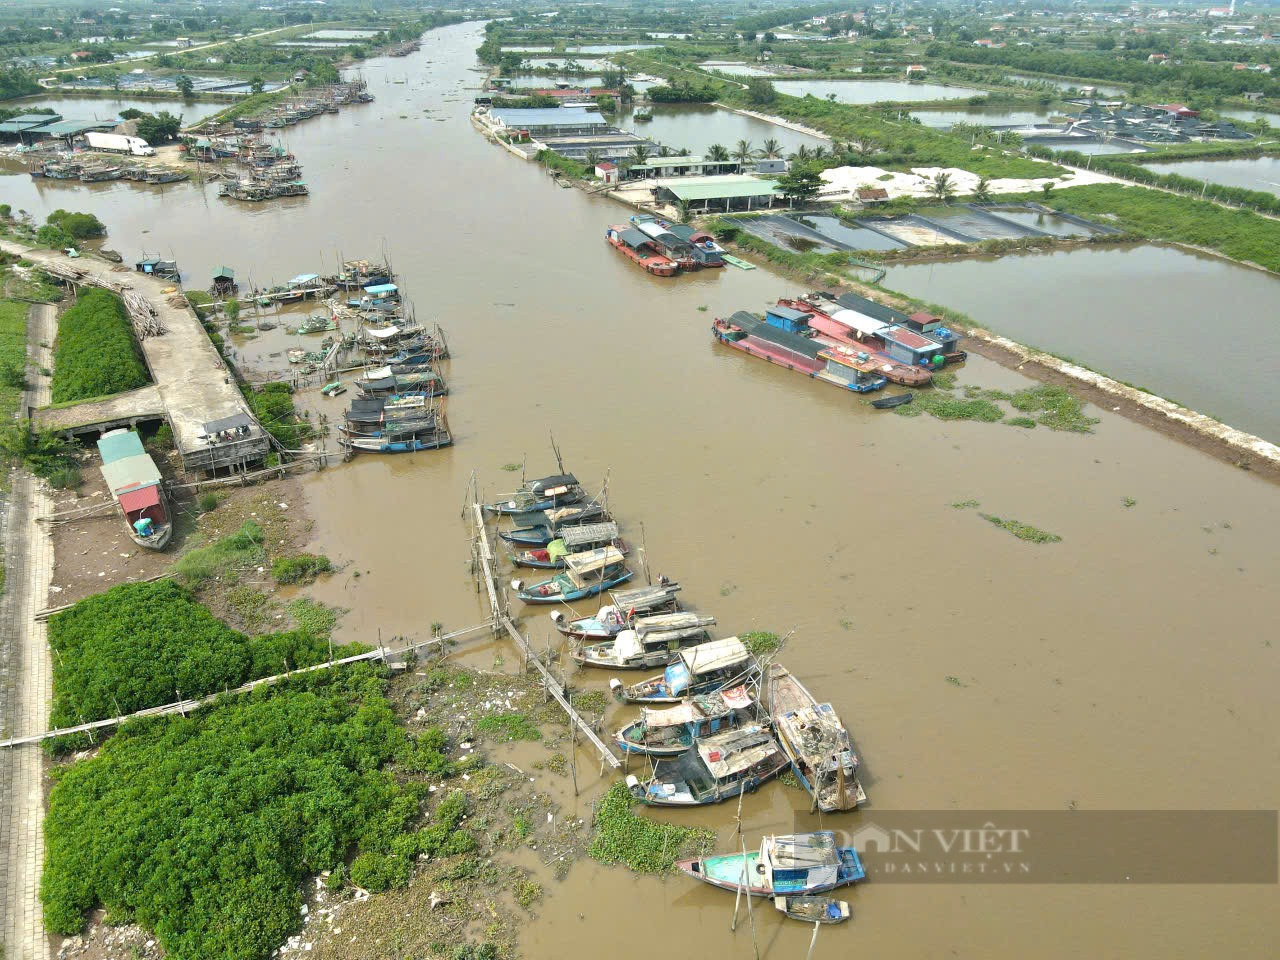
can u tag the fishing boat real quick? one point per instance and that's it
(714, 769)
(571, 540)
(815, 740)
(585, 575)
(651, 642)
(813, 909)
(427, 382)
(785, 865)
(706, 668)
(673, 730)
(640, 250)
(887, 403)
(429, 433)
(537, 528)
(648, 599)
(622, 613)
(758, 338)
(134, 481)
(542, 494)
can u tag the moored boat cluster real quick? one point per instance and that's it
(717, 722)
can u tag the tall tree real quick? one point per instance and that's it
(185, 85)
(941, 187)
(771, 149)
(744, 151)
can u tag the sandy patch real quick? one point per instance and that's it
(915, 183)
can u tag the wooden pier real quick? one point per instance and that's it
(486, 571)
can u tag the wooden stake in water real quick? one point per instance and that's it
(750, 912)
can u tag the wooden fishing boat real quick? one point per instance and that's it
(571, 540)
(813, 909)
(897, 400)
(622, 613)
(135, 482)
(652, 642)
(542, 494)
(640, 250)
(648, 599)
(815, 740)
(537, 528)
(428, 382)
(673, 730)
(785, 865)
(585, 575)
(706, 668)
(714, 769)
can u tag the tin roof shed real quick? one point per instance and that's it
(224, 273)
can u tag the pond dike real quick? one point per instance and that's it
(192, 388)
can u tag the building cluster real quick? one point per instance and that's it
(1160, 123)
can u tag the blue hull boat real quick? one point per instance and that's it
(562, 588)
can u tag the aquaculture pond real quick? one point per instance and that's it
(873, 91)
(992, 116)
(1252, 173)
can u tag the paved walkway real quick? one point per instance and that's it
(26, 684)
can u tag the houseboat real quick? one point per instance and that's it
(674, 248)
(673, 730)
(571, 540)
(134, 481)
(537, 528)
(748, 333)
(785, 865)
(651, 642)
(714, 769)
(585, 575)
(545, 493)
(816, 742)
(852, 335)
(640, 249)
(921, 324)
(931, 326)
(706, 250)
(706, 668)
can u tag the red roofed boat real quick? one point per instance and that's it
(640, 249)
(845, 328)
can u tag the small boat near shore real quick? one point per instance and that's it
(537, 528)
(545, 493)
(888, 403)
(714, 769)
(672, 730)
(813, 909)
(571, 540)
(136, 484)
(585, 575)
(785, 865)
(652, 642)
(815, 740)
(706, 668)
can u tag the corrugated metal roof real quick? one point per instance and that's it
(633, 238)
(129, 473)
(69, 128)
(719, 188)
(30, 118)
(117, 445)
(907, 338)
(224, 272)
(132, 500)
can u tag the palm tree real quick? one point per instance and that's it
(771, 148)
(640, 152)
(819, 152)
(717, 154)
(982, 191)
(744, 151)
(941, 187)
(1011, 138)
(683, 208)
(664, 151)
(592, 158)
(801, 154)
(682, 152)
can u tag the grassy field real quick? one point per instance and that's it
(13, 354)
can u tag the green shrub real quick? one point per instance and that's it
(203, 829)
(163, 438)
(299, 567)
(208, 502)
(223, 557)
(45, 453)
(139, 644)
(96, 354)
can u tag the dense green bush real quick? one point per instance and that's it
(46, 453)
(139, 644)
(203, 829)
(272, 404)
(299, 567)
(96, 353)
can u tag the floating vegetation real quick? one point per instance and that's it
(950, 408)
(759, 642)
(954, 681)
(1059, 409)
(1023, 531)
(508, 726)
(1021, 422)
(1128, 501)
(639, 843)
(512, 467)
(946, 381)
(965, 504)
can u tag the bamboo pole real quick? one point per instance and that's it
(813, 942)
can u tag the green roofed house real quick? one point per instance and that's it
(732, 192)
(224, 282)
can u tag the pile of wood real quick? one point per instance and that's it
(146, 323)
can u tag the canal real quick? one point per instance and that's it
(1085, 672)
(1188, 326)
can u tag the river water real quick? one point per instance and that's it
(1191, 327)
(1125, 667)
(108, 108)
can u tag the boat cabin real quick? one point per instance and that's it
(717, 767)
(850, 368)
(799, 862)
(706, 662)
(165, 269)
(932, 327)
(910, 347)
(705, 249)
(785, 318)
(698, 718)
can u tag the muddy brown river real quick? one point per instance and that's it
(1130, 666)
